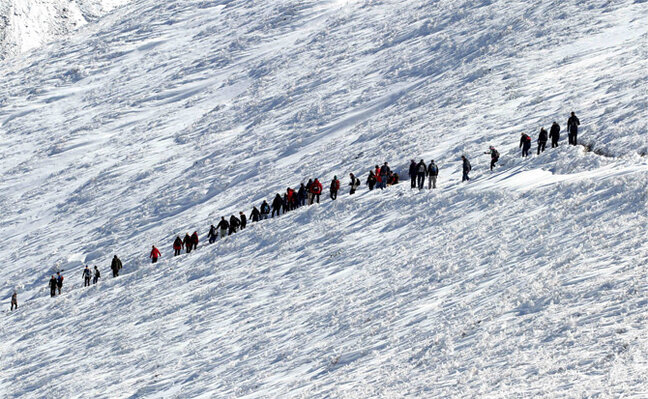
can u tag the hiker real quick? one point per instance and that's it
(224, 226)
(14, 301)
(554, 133)
(284, 203)
(572, 128)
(309, 193)
(86, 274)
(335, 186)
(265, 211)
(276, 205)
(378, 178)
(234, 224)
(384, 173)
(290, 198)
(212, 235)
(255, 214)
(294, 201)
(194, 240)
(393, 178)
(466, 168)
(355, 183)
(494, 154)
(116, 265)
(525, 144)
(371, 180)
(542, 140)
(59, 282)
(433, 172)
(412, 173)
(302, 195)
(52, 285)
(177, 246)
(155, 254)
(187, 243)
(243, 219)
(96, 276)
(421, 169)
(316, 189)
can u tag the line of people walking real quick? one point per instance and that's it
(379, 177)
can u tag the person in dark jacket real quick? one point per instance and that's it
(243, 219)
(211, 236)
(384, 175)
(355, 183)
(234, 224)
(86, 274)
(572, 128)
(187, 243)
(335, 186)
(543, 137)
(393, 179)
(525, 144)
(223, 226)
(115, 266)
(255, 214)
(97, 275)
(276, 205)
(412, 173)
(302, 195)
(494, 154)
(554, 133)
(421, 171)
(466, 168)
(371, 180)
(14, 301)
(265, 210)
(194, 240)
(59, 282)
(284, 203)
(432, 172)
(177, 246)
(52, 286)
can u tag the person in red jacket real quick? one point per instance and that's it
(290, 195)
(155, 254)
(177, 246)
(194, 240)
(379, 179)
(316, 190)
(335, 186)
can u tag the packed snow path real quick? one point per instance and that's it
(164, 116)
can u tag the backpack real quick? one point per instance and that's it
(434, 170)
(495, 155)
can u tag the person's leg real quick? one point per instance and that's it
(434, 181)
(317, 198)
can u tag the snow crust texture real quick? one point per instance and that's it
(163, 116)
(27, 24)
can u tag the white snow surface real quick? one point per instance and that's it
(28, 24)
(163, 116)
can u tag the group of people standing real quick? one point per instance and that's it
(554, 134)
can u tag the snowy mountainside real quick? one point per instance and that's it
(163, 116)
(27, 24)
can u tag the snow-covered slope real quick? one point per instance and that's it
(27, 24)
(164, 116)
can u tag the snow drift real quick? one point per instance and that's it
(163, 116)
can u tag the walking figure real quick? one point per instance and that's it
(572, 128)
(14, 301)
(86, 274)
(466, 168)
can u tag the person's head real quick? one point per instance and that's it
(463, 157)
(240, 213)
(432, 161)
(335, 177)
(413, 161)
(86, 267)
(572, 114)
(385, 163)
(153, 246)
(58, 273)
(421, 160)
(52, 276)
(377, 166)
(554, 122)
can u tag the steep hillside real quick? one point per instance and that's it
(164, 116)
(28, 24)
